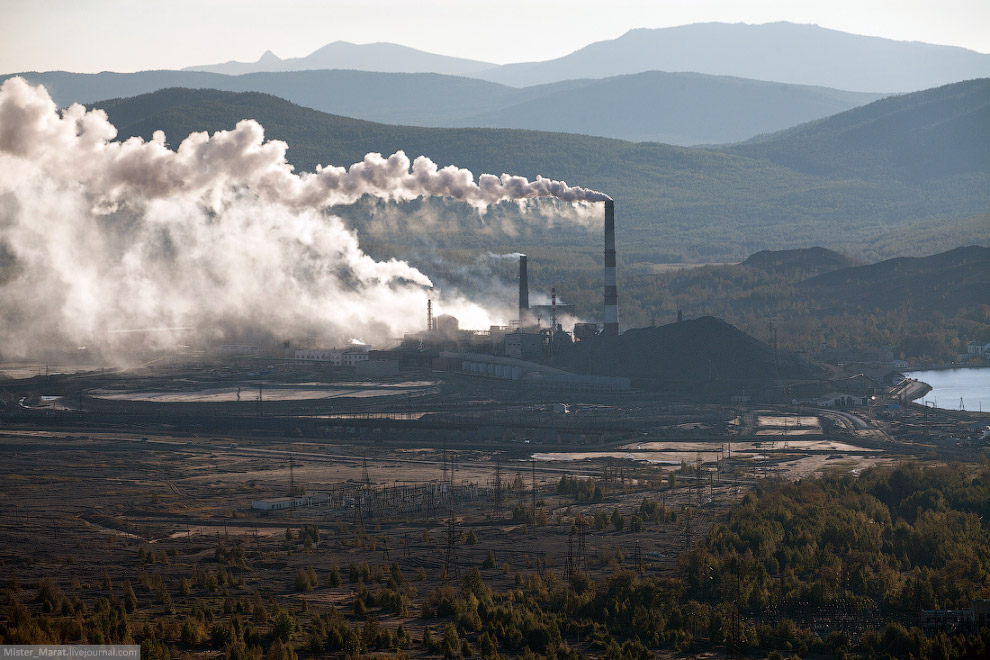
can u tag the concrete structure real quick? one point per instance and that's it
(338, 357)
(585, 330)
(446, 325)
(611, 291)
(835, 400)
(530, 373)
(978, 348)
(282, 503)
(956, 621)
(377, 368)
(525, 345)
(523, 288)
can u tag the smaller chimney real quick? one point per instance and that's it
(680, 315)
(553, 309)
(523, 288)
(429, 315)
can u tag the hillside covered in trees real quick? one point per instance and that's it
(837, 566)
(807, 186)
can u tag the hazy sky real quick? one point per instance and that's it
(131, 35)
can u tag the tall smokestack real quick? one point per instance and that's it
(611, 295)
(523, 288)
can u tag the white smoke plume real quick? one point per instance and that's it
(99, 236)
(78, 144)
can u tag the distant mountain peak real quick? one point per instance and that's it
(796, 53)
(378, 56)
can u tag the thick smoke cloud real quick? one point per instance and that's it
(99, 238)
(78, 144)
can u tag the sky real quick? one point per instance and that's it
(132, 35)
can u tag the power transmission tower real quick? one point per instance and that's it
(365, 476)
(582, 526)
(292, 476)
(569, 565)
(358, 504)
(497, 505)
(450, 561)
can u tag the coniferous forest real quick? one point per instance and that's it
(835, 567)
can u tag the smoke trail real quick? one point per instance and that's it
(78, 144)
(99, 236)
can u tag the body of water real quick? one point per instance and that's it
(972, 386)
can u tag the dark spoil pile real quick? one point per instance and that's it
(697, 350)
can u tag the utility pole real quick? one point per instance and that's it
(292, 476)
(533, 464)
(582, 542)
(443, 457)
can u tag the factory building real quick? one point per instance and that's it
(338, 357)
(377, 368)
(536, 334)
(528, 373)
(525, 345)
(282, 503)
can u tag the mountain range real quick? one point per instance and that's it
(779, 52)
(675, 108)
(711, 83)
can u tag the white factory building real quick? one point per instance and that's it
(338, 357)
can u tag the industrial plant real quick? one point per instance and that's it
(517, 352)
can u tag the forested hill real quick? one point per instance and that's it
(947, 282)
(811, 261)
(921, 137)
(689, 204)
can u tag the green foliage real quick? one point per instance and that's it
(130, 599)
(905, 537)
(305, 579)
(584, 490)
(284, 625)
(333, 578)
(618, 520)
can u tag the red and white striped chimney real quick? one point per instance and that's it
(611, 294)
